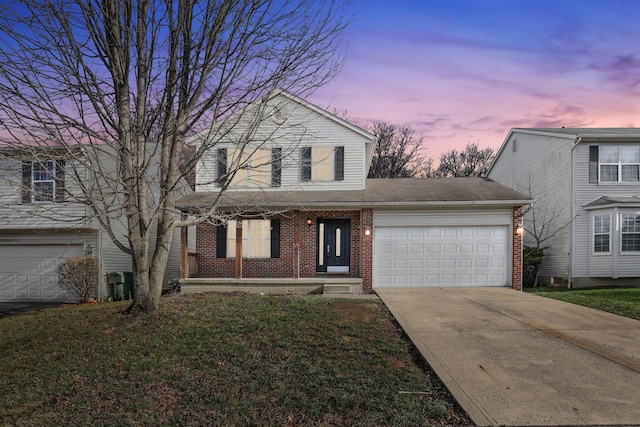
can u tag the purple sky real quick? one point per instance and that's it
(461, 71)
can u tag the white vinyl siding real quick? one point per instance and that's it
(586, 264)
(302, 127)
(16, 215)
(541, 168)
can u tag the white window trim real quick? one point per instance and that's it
(593, 235)
(51, 179)
(619, 164)
(622, 232)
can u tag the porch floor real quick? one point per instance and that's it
(275, 286)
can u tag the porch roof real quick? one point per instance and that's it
(613, 201)
(400, 192)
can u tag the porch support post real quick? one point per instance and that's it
(296, 245)
(238, 248)
(184, 253)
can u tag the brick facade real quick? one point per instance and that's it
(298, 241)
(298, 249)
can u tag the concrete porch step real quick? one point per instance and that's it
(336, 288)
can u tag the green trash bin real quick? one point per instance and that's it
(127, 289)
(117, 280)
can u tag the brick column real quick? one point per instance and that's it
(516, 279)
(366, 253)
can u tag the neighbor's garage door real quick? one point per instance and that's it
(28, 272)
(440, 256)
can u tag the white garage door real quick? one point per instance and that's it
(28, 272)
(440, 256)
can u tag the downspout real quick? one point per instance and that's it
(573, 214)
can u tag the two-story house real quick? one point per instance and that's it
(298, 210)
(586, 186)
(44, 220)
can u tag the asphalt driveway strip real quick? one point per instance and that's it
(517, 359)
(14, 308)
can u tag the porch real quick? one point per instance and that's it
(274, 286)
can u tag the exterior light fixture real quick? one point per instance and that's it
(367, 231)
(309, 222)
(520, 229)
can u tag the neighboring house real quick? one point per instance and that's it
(43, 224)
(586, 186)
(301, 212)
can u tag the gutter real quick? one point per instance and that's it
(360, 205)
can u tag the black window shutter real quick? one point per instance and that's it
(276, 167)
(593, 163)
(275, 238)
(26, 181)
(221, 241)
(59, 180)
(222, 166)
(305, 171)
(339, 164)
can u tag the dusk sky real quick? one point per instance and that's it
(464, 71)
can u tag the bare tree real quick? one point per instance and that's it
(131, 80)
(542, 222)
(472, 161)
(397, 153)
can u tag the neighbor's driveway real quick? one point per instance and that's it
(512, 358)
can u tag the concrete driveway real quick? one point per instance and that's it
(516, 359)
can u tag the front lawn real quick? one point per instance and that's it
(219, 360)
(622, 301)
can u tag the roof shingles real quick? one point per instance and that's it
(409, 192)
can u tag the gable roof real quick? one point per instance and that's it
(575, 134)
(379, 192)
(370, 139)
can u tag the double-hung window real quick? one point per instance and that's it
(250, 168)
(619, 163)
(629, 233)
(322, 164)
(601, 233)
(260, 238)
(43, 181)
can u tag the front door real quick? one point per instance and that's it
(334, 249)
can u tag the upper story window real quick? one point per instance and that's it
(629, 233)
(601, 233)
(614, 163)
(43, 181)
(322, 164)
(257, 168)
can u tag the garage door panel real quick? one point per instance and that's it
(440, 256)
(465, 263)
